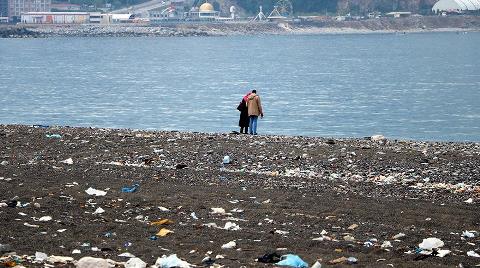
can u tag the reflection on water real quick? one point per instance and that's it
(416, 86)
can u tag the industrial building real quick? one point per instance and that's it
(55, 17)
(456, 6)
(3, 8)
(17, 7)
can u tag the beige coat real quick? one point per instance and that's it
(254, 105)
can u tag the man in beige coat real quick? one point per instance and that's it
(254, 110)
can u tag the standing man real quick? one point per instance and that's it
(254, 110)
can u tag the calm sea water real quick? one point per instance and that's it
(413, 86)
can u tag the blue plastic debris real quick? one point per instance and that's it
(293, 261)
(131, 189)
(153, 237)
(54, 136)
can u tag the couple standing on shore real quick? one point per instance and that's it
(250, 109)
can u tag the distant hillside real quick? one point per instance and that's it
(300, 7)
(355, 7)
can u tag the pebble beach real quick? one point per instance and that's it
(127, 195)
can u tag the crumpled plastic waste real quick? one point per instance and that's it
(229, 245)
(431, 243)
(135, 263)
(273, 257)
(293, 261)
(352, 260)
(45, 218)
(95, 192)
(231, 226)
(170, 262)
(472, 253)
(468, 234)
(99, 211)
(131, 189)
(317, 265)
(226, 159)
(161, 222)
(59, 259)
(40, 256)
(90, 262)
(54, 136)
(68, 161)
(164, 232)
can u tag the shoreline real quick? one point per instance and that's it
(319, 198)
(380, 26)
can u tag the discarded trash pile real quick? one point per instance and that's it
(83, 197)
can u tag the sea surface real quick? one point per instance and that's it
(406, 86)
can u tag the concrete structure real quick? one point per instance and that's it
(205, 12)
(3, 8)
(17, 7)
(55, 17)
(399, 14)
(456, 6)
(65, 7)
(175, 11)
(122, 18)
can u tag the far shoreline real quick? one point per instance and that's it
(427, 24)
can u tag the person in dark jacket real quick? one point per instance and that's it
(244, 119)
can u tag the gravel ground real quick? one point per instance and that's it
(319, 198)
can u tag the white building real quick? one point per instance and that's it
(205, 12)
(55, 17)
(456, 6)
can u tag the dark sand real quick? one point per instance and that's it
(293, 184)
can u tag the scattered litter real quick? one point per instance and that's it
(90, 262)
(338, 260)
(135, 263)
(31, 225)
(469, 201)
(53, 136)
(229, 245)
(293, 261)
(126, 255)
(226, 159)
(59, 259)
(92, 191)
(378, 138)
(352, 227)
(130, 189)
(468, 234)
(386, 244)
(40, 256)
(194, 216)
(472, 253)
(161, 222)
(231, 226)
(273, 257)
(220, 211)
(45, 218)
(99, 211)
(280, 232)
(170, 262)
(68, 161)
(164, 232)
(431, 243)
(352, 260)
(76, 251)
(398, 236)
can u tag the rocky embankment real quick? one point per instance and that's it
(125, 198)
(321, 26)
